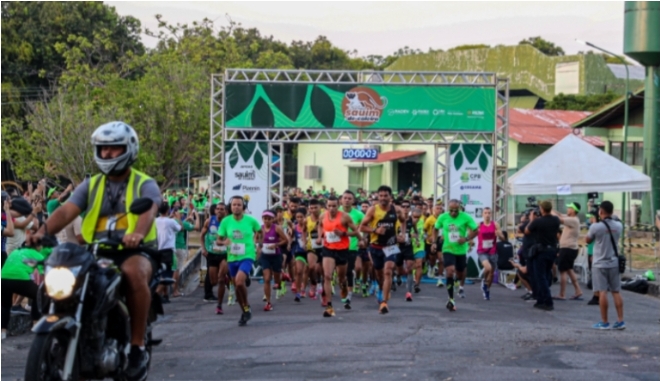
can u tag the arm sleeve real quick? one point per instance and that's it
(150, 190)
(79, 195)
(187, 226)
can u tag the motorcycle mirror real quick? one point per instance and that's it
(141, 205)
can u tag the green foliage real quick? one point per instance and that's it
(548, 48)
(591, 102)
(469, 47)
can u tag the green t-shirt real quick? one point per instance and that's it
(181, 236)
(241, 235)
(15, 269)
(357, 217)
(418, 244)
(199, 204)
(453, 229)
(52, 205)
(171, 200)
(590, 248)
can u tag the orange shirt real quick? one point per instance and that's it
(330, 239)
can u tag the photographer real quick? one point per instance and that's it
(543, 253)
(606, 234)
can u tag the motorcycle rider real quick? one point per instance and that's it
(105, 198)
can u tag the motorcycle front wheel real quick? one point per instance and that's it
(46, 358)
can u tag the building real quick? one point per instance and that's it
(535, 78)
(531, 132)
(607, 125)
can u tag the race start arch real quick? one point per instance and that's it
(464, 116)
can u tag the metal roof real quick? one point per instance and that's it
(546, 127)
(636, 72)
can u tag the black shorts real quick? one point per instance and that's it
(272, 262)
(317, 252)
(352, 256)
(340, 256)
(364, 254)
(407, 253)
(379, 258)
(566, 259)
(458, 261)
(215, 260)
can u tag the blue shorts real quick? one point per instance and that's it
(420, 254)
(245, 266)
(379, 258)
(272, 262)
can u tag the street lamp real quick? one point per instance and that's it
(625, 125)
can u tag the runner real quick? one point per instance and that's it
(454, 225)
(382, 221)
(237, 233)
(488, 232)
(348, 201)
(300, 253)
(335, 229)
(407, 252)
(418, 243)
(287, 257)
(216, 256)
(313, 247)
(270, 256)
(435, 261)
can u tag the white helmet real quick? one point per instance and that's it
(115, 134)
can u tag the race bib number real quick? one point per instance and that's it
(454, 237)
(391, 250)
(237, 249)
(267, 250)
(219, 248)
(316, 245)
(331, 237)
(487, 244)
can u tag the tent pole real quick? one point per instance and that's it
(630, 259)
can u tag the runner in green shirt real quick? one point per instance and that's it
(237, 232)
(348, 207)
(455, 225)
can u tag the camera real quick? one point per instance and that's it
(532, 203)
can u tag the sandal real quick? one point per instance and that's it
(577, 297)
(558, 298)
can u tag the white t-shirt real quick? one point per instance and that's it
(166, 228)
(17, 240)
(69, 233)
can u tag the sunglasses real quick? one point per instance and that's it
(453, 210)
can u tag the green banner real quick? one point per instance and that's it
(347, 106)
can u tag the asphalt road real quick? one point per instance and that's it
(501, 339)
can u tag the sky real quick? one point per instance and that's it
(381, 28)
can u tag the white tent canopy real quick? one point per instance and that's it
(574, 166)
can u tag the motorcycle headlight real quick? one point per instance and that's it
(60, 281)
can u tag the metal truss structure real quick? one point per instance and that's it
(277, 137)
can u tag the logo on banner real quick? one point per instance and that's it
(236, 187)
(362, 106)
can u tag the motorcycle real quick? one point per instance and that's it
(85, 329)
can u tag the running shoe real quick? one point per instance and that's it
(283, 287)
(333, 289)
(365, 291)
(312, 294)
(440, 283)
(218, 310)
(601, 325)
(484, 289)
(268, 307)
(372, 289)
(457, 284)
(383, 308)
(525, 295)
(286, 277)
(487, 297)
(297, 298)
(347, 304)
(207, 298)
(620, 325)
(408, 297)
(436, 271)
(245, 317)
(417, 288)
(593, 302)
(451, 305)
(399, 282)
(461, 292)
(329, 312)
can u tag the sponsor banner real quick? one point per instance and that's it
(246, 175)
(349, 106)
(359, 153)
(471, 182)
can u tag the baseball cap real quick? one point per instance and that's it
(51, 191)
(575, 206)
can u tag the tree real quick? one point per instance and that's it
(591, 102)
(546, 47)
